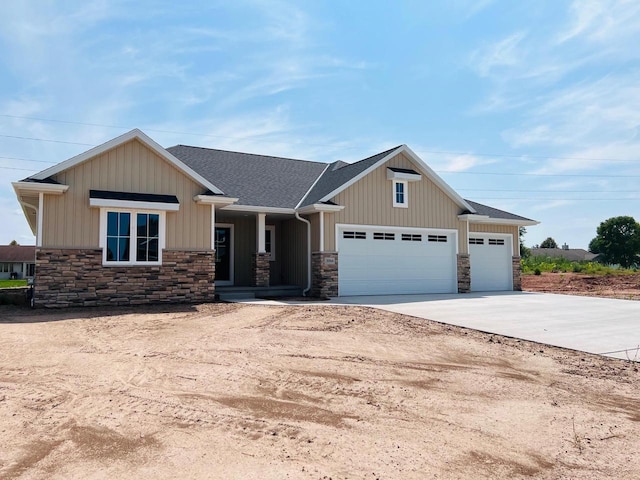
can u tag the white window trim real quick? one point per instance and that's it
(405, 184)
(162, 236)
(272, 229)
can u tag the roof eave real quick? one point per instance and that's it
(320, 207)
(473, 218)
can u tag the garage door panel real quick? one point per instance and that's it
(491, 268)
(375, 266)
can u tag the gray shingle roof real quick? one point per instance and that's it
(262, 180)
(494, 212)
(253, 179)
(335, 177)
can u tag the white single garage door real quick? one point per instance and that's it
(382, 261)
(490, 256)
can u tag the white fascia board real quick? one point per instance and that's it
(258, 209)
(103, 202)
(498, 221)
(133, 134)
(213, 200)
(362, 174)
(320, 207)
(473, 218)
(409, 177)
(34, 187)
(437, 179)
(313, 185)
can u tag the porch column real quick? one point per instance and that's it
(39, 227)
(260, 261)
(260, 228)
(322, 231)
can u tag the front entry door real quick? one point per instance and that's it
(224, 256)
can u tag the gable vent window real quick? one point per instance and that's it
(437, 238)
(476, 241)
(355, 235)
(496, 241)
(384, 236)
(407, 237)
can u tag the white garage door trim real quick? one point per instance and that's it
(486, 276)
(439, 265)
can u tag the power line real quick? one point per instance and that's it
(120, 127)
(437, 171)
(540, 174)
(439, 152)
(564, 199)
(543, 191)
(26, 159)
(47, 140)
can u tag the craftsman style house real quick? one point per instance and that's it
(131, 222)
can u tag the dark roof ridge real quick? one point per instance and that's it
(384, 152)
(245, 153)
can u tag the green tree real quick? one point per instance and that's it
(549, 243)
(524, 251)
(13, 242)
(618, 241)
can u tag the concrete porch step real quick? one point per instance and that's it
(239, 293)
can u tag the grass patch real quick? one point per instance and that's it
(12, 283)
(533, 265)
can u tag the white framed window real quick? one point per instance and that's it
(400, 193)
(270, 241)
(132, 237)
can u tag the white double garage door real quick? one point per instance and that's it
(393, 260)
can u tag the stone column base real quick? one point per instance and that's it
(260, 269)
(517, 272)
(464, 273)
(324, 274)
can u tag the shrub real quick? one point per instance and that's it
(537, 271)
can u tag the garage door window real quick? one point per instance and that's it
(476, 241)
(437, 238)
(384, 236)
(496, 241)
(355, 235)
(408, 237)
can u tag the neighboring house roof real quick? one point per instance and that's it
(17, 253)
(258, 180)
(495, 213)
(573, 254)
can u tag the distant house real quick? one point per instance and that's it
(571, 254)
(17, 261)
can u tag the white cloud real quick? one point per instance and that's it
(502, 54)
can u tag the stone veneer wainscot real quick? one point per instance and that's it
(76, 277)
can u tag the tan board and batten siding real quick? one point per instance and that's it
(131, 167)
(369, 201)
(512, 230)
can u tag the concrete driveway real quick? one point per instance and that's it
(596, 325)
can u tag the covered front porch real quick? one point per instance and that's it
(260, 250)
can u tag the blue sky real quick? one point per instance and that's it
(530, 106)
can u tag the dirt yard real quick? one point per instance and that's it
(625, 287)
(311, 392)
